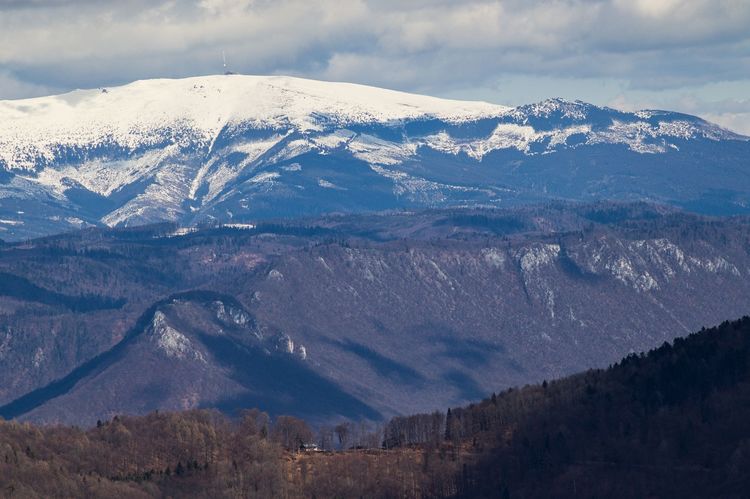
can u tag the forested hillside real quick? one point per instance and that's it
(352, 316)
(672, 423)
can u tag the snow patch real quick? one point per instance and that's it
(264, 177)
(494, 257)
(335, 139)
(275, 275)
(294, 167)
(329, 185)
(533, 258)
(377, 151)
(39, 358)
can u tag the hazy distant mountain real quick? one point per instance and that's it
(241, 147)
(357, 316)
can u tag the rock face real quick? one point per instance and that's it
(209, 361)
(357, 316)
(171, 342)
(236, 148)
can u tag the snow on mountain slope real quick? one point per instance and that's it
(195, 109)
(233, 147)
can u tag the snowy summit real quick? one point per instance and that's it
(134, 115)
(233, 148)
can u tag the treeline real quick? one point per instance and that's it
(197, 452)
(498, 224)
(673, 423)
(204, 454)
(23, 289)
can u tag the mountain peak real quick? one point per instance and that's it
(559, 107)
(229, 147)
(146, 112)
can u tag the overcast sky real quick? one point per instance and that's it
(685, 55)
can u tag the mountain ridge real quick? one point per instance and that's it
(505, 297)
(276, 101)
(237, 148)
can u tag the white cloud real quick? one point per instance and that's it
(436, 46)
(11, 86)
(737, 122)
(651, 8)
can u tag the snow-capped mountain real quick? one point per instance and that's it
(236, 147)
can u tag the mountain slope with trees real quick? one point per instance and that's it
(394, 313)
(670, 423)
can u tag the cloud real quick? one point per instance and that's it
(733, 114)
(10, 85)
(435, 46)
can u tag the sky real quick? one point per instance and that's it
(684, 55)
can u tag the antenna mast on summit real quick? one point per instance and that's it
(224, 61)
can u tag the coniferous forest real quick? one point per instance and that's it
(669, 423)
